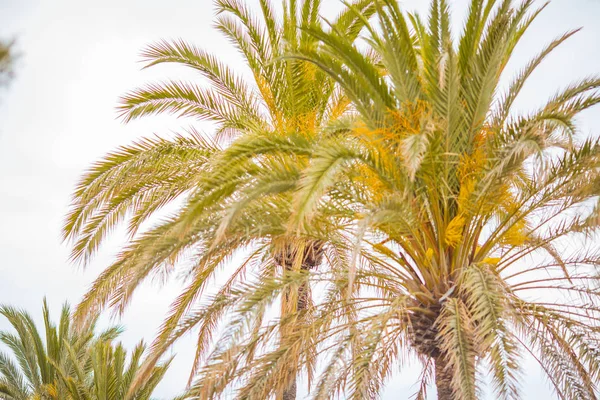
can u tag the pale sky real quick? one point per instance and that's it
(58, 116)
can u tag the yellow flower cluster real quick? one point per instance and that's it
(454, 231)
(516, 234)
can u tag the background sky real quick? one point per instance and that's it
(58, 116)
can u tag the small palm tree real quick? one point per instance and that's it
(105, 372)
(237, 196)
(470, 207)
(33, 370)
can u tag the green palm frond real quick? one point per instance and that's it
(107, 372)
(34, 368)
(71, 363)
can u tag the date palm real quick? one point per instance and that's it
(471, 206)
(236, 187)
(106, 372)
(33, 370)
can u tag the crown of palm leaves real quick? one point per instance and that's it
(236, 186)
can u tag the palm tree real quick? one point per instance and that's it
(103, 374)
(470, 206)
(235, 198)
(33, 370)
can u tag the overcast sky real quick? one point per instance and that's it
(58, 116)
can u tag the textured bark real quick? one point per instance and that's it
(423, 331)
(443, 379)
(422, 328)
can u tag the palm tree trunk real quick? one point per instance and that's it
(301, 304)
(443, 379)
(310, 259)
